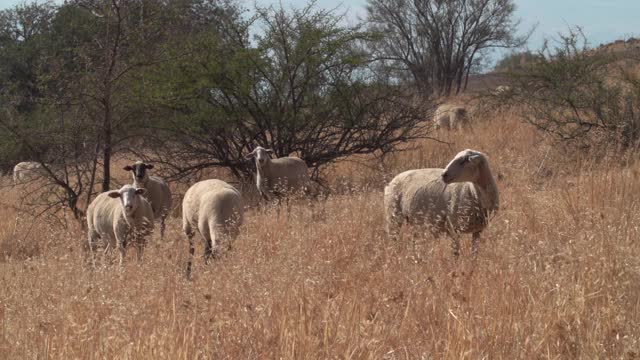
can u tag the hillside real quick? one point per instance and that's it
(558, 275)
(621, 49)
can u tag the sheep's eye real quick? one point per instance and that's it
(464, 160)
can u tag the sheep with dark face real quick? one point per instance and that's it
(453, 200)
(158, 193)
(118, 216)
(214, 209)
(280, 177)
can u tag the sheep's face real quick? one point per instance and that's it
(139, 170)
(460, 112)
(129, 198)
(261, 155)
(464, 167)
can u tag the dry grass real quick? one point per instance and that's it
(558, 274)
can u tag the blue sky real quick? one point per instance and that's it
(602, 20)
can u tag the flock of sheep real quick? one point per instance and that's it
(454, 200)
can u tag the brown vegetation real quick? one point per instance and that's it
(558, 274)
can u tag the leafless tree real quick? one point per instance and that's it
(306, 88)
(438, 42)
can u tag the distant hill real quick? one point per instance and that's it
(620, 46)
(479, 82)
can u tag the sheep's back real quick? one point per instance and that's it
(158, 194)
(199, 195)
(222, 206)
(425, 199)
(289, 172)
(101, 214)
(27, 170)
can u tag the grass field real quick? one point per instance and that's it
(558, 274)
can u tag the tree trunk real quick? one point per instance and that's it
(106, 154)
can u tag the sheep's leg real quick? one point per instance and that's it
(475, 240)
(288, 205)
(312, 208)
(208, 251)
(192, 250)
(93, 235)
(228, 235)
(140, 244)
(162, 226)
(416, 230)
(140, 248)
(392, 226)
(214, 238)
(455, 244)
(121, 243)
(264, 196)
(206, 232)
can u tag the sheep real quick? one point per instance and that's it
(215, 209)
(457, 199)
(158, 193)
(277, 178)
(120, 215)
(27, 171)
(502, 89)
(451, 117)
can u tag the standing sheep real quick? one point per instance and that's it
(120, 215)
(158, 193)
(451, 117)
(456, 199)
(279, 177)
(215, 209)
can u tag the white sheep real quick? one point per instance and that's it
(158, 193)
(502, 89)
(280, 177)
(118, 216)
(214, 208)
(453, 200)
(27, 171)
(451, 117)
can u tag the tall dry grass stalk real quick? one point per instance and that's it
(558, 274)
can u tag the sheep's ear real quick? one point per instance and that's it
(149, 166)
(474, 159)
(114, 194)
(249, 156)
(140, 191)
(269, 151)
(127, 168)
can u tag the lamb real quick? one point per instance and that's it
(158, 193)
(27, 171)
(457, 199)
(215, 209)
(120, 215)
(451, 117)
(279, 177)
